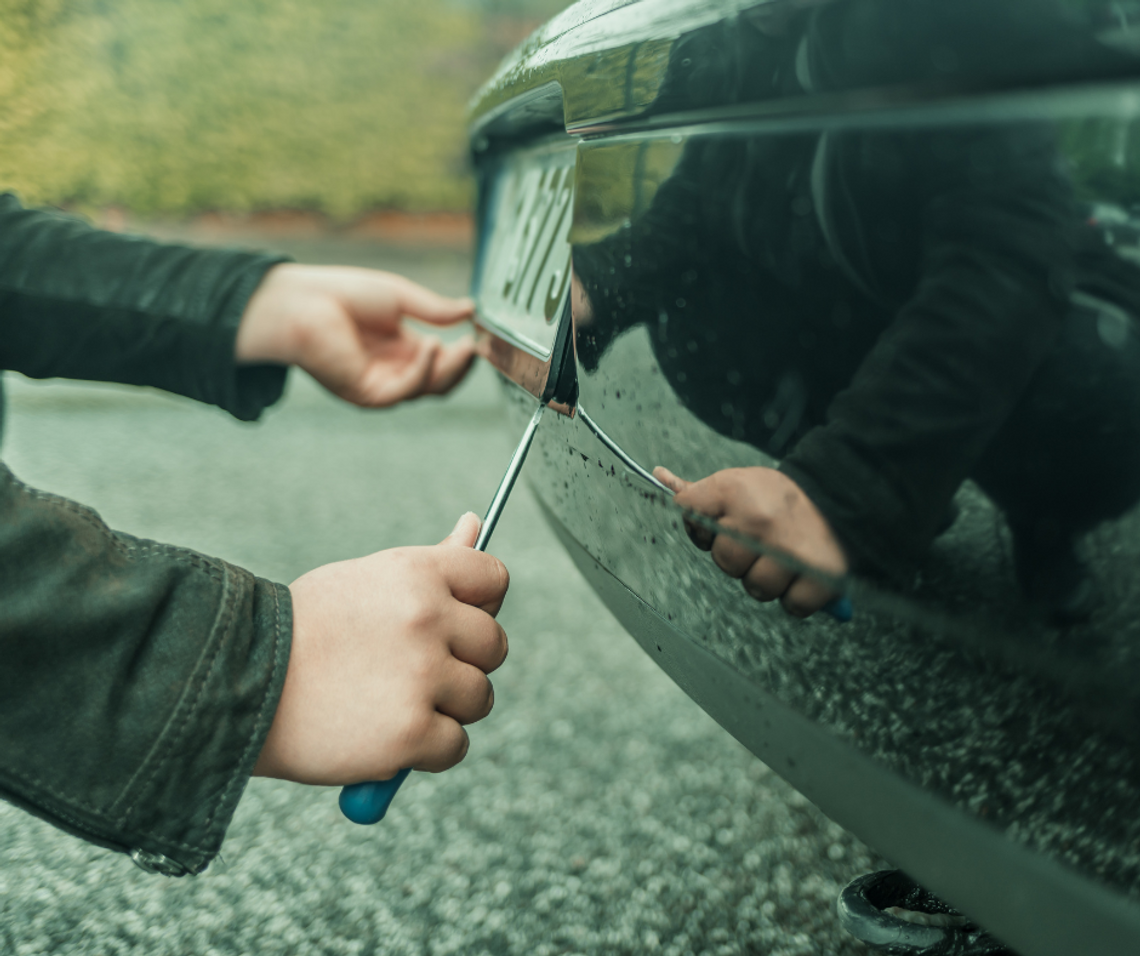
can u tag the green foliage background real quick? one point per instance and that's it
(178, 106)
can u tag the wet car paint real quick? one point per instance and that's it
(1017, 738)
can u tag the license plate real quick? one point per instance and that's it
(524, 274)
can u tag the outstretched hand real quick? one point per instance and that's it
(768, 506)
(389, 661)
(344, 326)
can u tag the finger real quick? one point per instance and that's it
(710, 496)
(465, 695)
(767, 579)
(451, 364)
(806, 596)
(701, 536)
(670, 480)
(465, 533)
(427, 306)
(475, 577)
(732, 557)
(706, 497)
(381, 388)
(440, 745)
(477, 639)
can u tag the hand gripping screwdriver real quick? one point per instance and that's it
(368, 802)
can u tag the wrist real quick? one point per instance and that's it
(267, 332)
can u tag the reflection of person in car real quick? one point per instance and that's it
(889, 312)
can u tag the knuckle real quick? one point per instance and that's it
(797, 608)
(758, 591)
(489, 700)
(456, 748)
(732, 558)
(766, 580)
(504, 581)
(494, 647)
(421, 616)
(417, 726)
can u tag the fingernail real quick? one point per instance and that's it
(463, 517)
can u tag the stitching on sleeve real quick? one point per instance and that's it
(174, 735)
(73, 507)
(43, 787)
(125, 544)
(234, 780)
(69, 802)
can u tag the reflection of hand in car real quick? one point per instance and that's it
(768, 506)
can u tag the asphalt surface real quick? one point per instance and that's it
(599, 811)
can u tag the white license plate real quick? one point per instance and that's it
(525, 260)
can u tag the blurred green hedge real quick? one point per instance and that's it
(177, 106)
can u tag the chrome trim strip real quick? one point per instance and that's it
(618, 452)
(880, 109)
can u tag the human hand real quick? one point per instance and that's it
(768, 506)
(389, 661)
(344, 326)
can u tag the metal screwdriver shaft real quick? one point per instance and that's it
(367, 803)
(508, 482)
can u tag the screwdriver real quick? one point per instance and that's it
(368, 802)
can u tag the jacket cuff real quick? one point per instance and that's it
(877, 532)
(198, 769)
(244, 391)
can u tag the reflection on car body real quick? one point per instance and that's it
(867, 243)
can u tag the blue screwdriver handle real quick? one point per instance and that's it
(841, 609)
(368, 802)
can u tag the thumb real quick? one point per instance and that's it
(465, 532)
(670, 480)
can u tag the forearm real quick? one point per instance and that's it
(139, 680)
(76, 302)
(921, 411)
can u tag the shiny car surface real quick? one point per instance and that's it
(892, 249)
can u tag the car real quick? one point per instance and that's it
(840, 252)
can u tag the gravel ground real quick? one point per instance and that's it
(599, 811)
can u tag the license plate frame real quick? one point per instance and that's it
(522, 277)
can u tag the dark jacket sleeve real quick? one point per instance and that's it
(138, 684)
(994, 274)
(77, 302)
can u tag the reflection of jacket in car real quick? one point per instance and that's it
(139, 680)
(873, 306)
